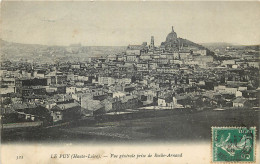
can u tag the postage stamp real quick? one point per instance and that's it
(233, 144)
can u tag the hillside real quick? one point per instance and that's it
(43, 52)
(189, 43)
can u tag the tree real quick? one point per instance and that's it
(7, 101)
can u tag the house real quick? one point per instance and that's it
(228, 62)
(176, 55)
(147, 97)
(183, 100)
(167, 101)
(223, 89)
(239, 102)
(65, 112)
(56, 89)
(183, 54)
(201, 52)
(253, 64)
(126, 102)
(203, 59)
(134, 49)
(145, 57)
(106, 80)
(88, 103)
(56, 78)
(112, 57)
(39, 73)
(7, 90)
(238, 93)
(82, 78)
(242, 88)
(75, 66)
(123, 81)
(6, 81)
(130, 102)
(61, 98)
(118, 94)
(31, 90)
(49, 104)
(129, 88)
(251, 94)
(70, 89)
(132, 58)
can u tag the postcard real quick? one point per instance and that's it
(130, 82)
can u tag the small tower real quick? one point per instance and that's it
(152, 43)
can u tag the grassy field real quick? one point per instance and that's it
(171, 128)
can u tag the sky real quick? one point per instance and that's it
(124, 23)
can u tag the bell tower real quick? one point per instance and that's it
(152, 43)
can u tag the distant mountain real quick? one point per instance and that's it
(5, 44)
(223, 45)
(217, 44)
(28, 51)
(252, 47)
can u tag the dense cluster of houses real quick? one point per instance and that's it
(177, 74)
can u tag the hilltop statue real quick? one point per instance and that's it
(172, 42)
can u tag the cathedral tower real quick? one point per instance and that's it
(152, 43)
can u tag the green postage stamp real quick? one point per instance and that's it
(233, 144)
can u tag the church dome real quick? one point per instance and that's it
(172, 36)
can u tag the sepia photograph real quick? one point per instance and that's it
(129, 82)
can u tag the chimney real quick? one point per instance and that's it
(172, 29)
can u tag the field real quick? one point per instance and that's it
(177, 127)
